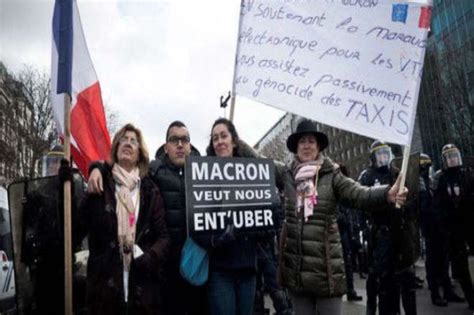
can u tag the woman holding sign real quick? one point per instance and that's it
(127, 234)
(232, 258)
(311, 253)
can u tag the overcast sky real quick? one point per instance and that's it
(157, 60)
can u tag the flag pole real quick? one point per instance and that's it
(407, 148)
(67, 212)
(232, 106)
(232, 100)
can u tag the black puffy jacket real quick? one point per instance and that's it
(170, 180)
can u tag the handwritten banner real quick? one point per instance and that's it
(222, 191)
(351, 64)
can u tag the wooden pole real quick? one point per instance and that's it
(67, 213)
(232, 106)
(403, 171)
(232, 100)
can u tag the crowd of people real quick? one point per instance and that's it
(385, 245)
(329, 226)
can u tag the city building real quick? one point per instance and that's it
(15, 118)
(447, 89)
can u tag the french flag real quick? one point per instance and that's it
(72, 72)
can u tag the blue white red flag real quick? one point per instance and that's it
(399, 12)
(72, 72)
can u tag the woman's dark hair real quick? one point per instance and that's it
(233, 132)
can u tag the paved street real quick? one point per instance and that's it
(423, 300)
(424, 306)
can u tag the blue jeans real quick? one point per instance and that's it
(231, 292)
(309, 304)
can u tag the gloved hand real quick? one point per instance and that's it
(65, 172)
(225, 238)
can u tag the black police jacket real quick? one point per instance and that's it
(398, 225)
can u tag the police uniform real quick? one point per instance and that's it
(453, 197)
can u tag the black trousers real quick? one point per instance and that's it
(458, 256)
(384, 281)
(182, 298)
(347, 253)
(437, 256)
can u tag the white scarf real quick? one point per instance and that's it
(306, 179)
(128, 181)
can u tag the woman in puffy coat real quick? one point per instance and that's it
(311, 262)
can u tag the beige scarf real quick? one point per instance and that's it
(306, 179)
(126, 211)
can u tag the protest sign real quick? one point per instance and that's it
(351, 64)
(222, 191)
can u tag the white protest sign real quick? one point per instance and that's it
(351, 64)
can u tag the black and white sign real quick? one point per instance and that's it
(222, 191)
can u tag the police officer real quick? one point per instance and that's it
(52, 161)
(434, 234)
(345, 224)
(42, 232)
(387, 275)
(453, 196)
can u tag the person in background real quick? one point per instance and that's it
(436, 240)
(453, 188)
(52, 161)
(345, 225)
(391, 270)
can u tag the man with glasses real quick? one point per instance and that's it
(167, 171)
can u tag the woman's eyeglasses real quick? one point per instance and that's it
(132, 141)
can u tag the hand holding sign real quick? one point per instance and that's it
(394, 195)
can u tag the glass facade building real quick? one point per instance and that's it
(446, 103)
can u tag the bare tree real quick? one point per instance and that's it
(113, 119)
(36, 88)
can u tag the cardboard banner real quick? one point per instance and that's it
(351, 64)
(223, 191)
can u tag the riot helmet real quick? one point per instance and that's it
(52, 161)
(425, 164)
(451, 156)
(380, 154)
